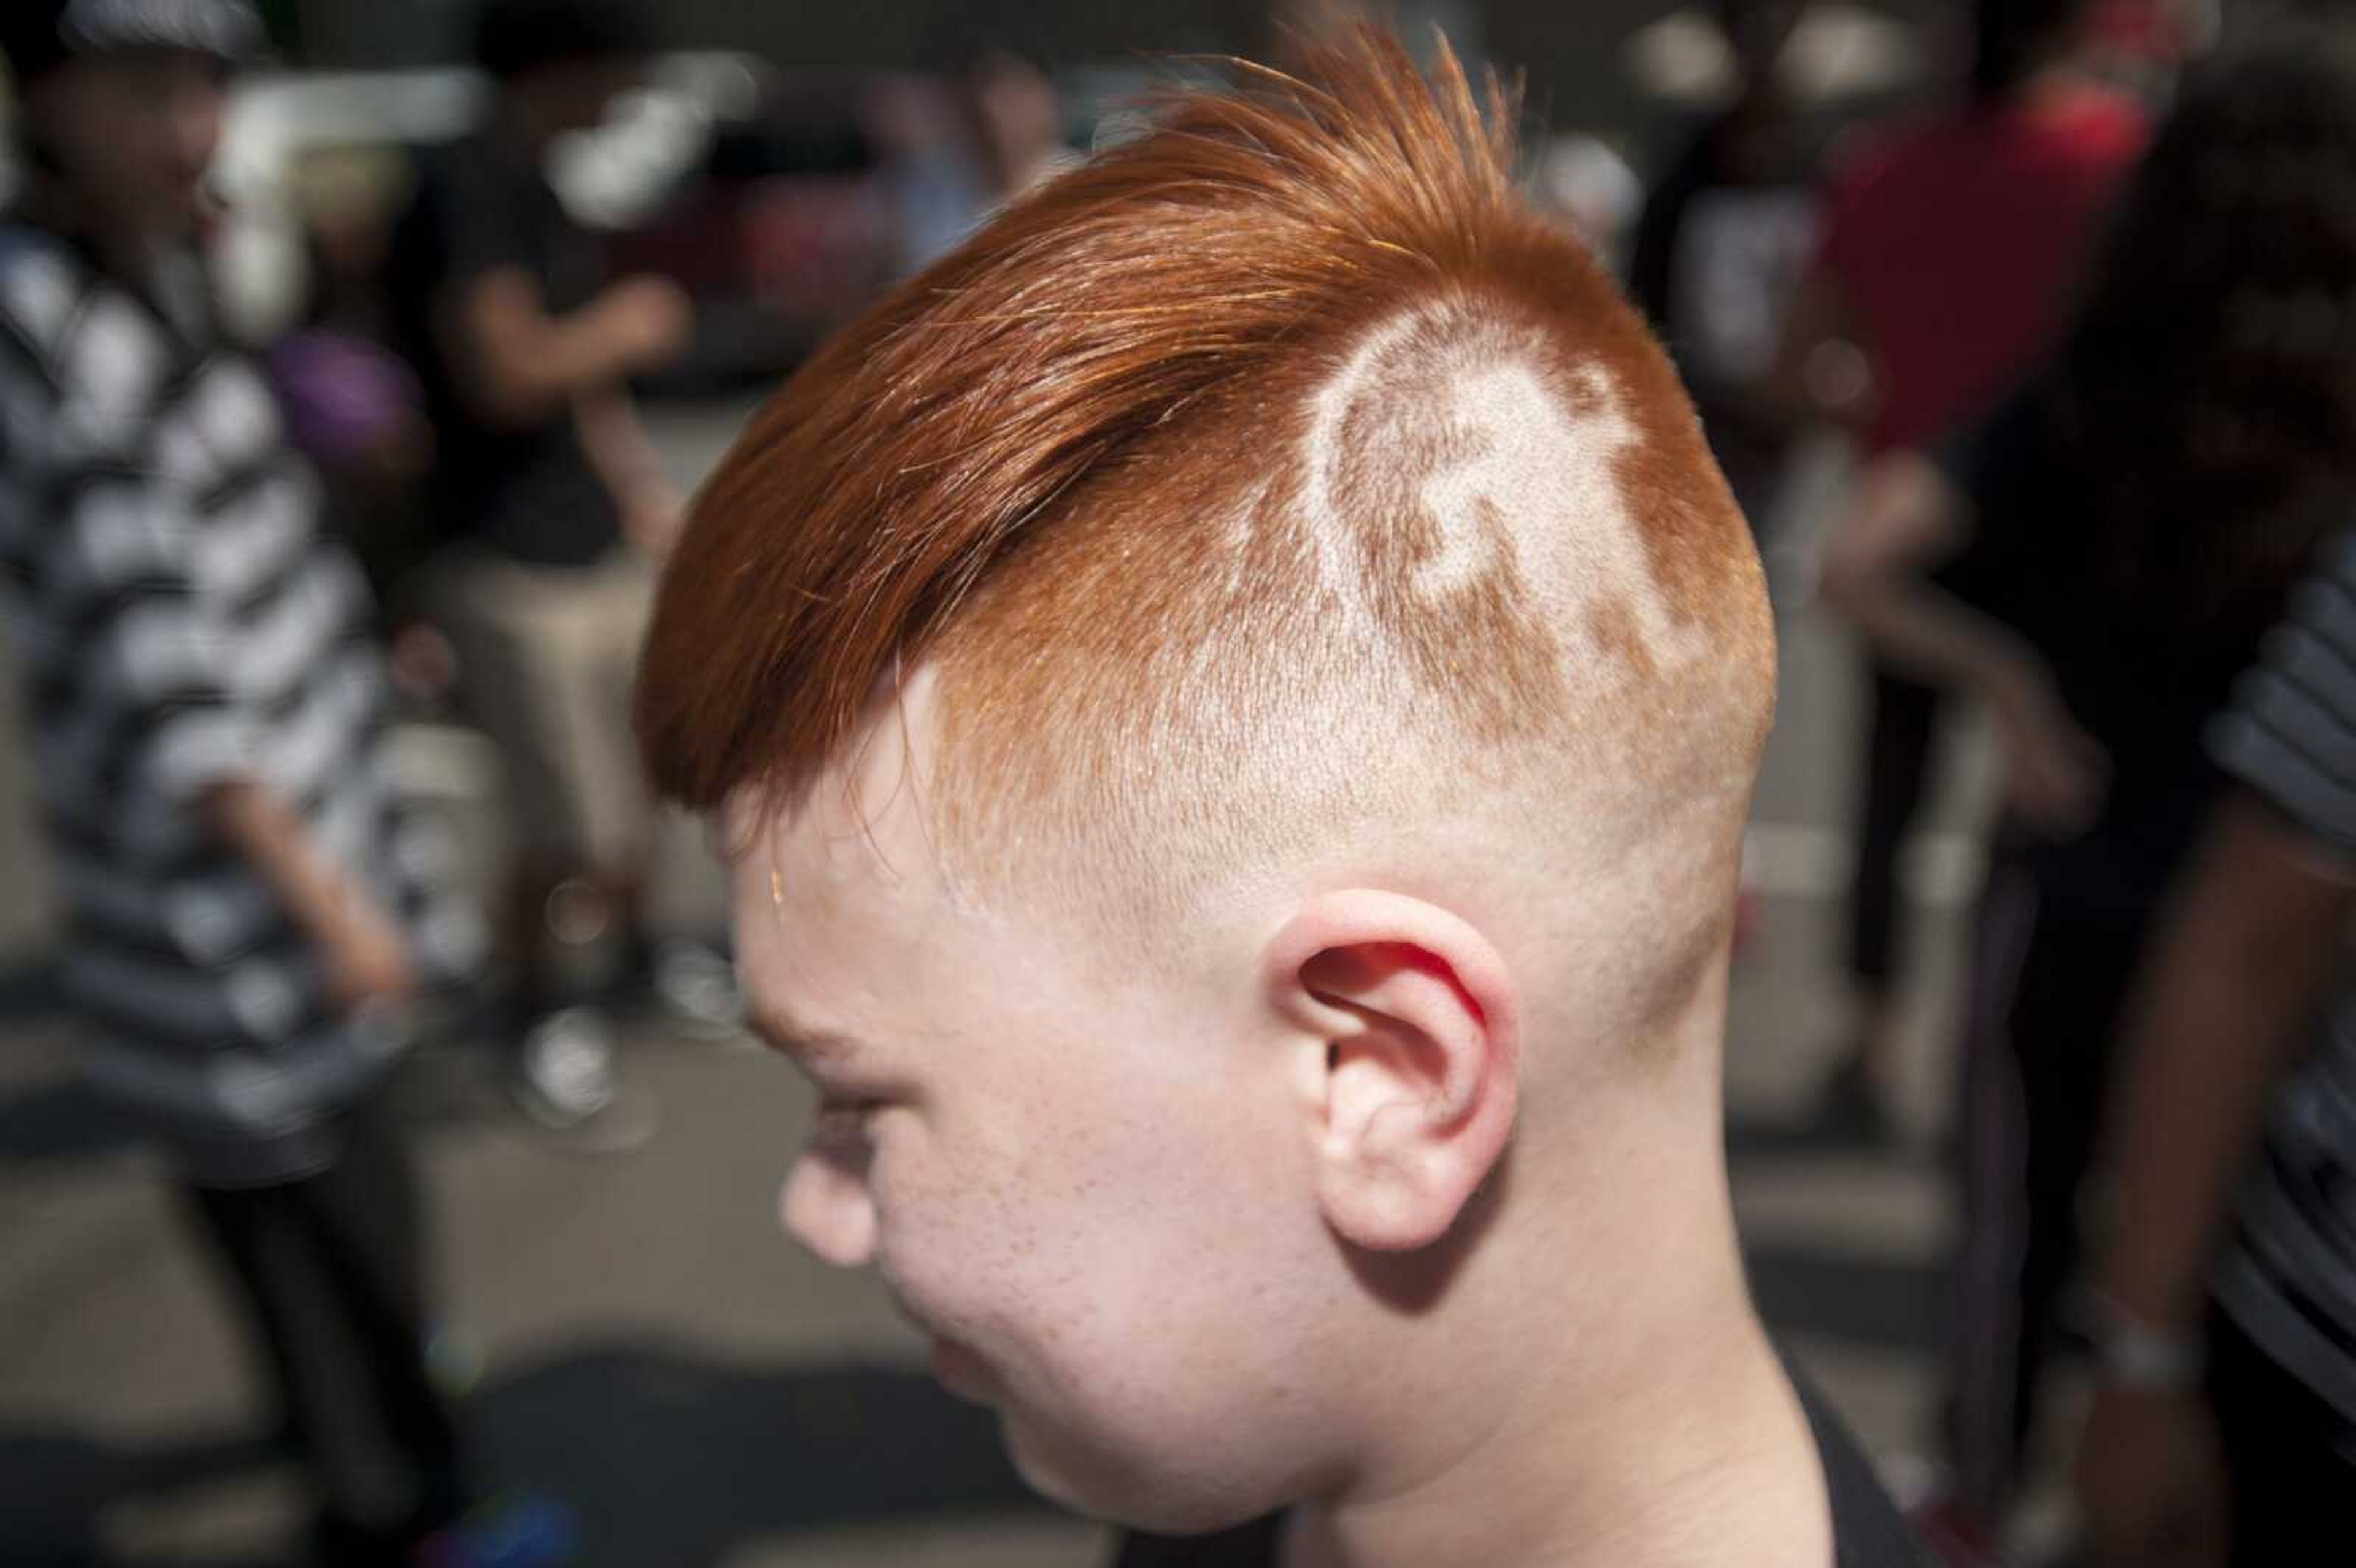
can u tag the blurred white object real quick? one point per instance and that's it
(607, 177)
(1735, 274)
(1838, 50)
(1583, 180)
(261, 266)
(654, 135)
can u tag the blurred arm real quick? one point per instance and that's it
(526, 364)
(2230, 985)
(616, 446)
(364, 957)
(271, 839)
(1877, 574)
(1909, 519)
(2240, 967)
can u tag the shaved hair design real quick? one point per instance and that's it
(1277, 475)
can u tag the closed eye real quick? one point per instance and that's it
(844, 1123)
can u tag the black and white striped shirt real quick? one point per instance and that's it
(2288, 1278)
(183, 622)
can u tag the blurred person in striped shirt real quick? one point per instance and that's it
(2097, 562)
(249, 914)
(2221, 1311)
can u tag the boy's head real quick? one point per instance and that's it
(122, 101)
(1232, 701)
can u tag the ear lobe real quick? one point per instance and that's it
(1408, 1025)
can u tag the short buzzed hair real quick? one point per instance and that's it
(1278, 468)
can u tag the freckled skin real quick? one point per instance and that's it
(1064, 1179)
(1087, 1171)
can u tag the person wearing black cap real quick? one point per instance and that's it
(135, 194)
(247, 915)
(524, 349)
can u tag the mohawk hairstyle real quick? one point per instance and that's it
(1178, 441)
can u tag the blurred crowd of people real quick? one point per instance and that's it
(2088, 327)
(2092, 333)
(258, 922)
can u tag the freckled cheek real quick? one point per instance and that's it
(966, 1212)
(959, 1226)
(922, 1207)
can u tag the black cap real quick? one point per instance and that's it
(514, 38)
(38, 36)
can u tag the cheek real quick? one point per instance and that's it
(1141, 1273)
(1170, 1352)
(1139, 1257)
(1060, 1193)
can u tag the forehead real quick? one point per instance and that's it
(851, 917)
(837, 892)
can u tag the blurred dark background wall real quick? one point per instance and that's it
(1570, 48)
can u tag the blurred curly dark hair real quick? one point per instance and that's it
(2211, 373)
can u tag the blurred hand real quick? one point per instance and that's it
(650, 317)
(423, 664)
(2151, 1483)
(402, 455)
(2055, 774)
(651, 514)
(365, 958)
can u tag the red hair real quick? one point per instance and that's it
(1065, 461)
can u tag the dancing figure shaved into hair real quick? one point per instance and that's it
(1232, 701)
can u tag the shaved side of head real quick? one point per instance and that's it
(1275, 495)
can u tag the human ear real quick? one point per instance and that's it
(1405, 1018)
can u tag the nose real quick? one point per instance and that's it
(826, 1205)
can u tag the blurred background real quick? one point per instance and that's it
(620, 1321)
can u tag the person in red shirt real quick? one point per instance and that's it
(1950, 266)
(1957, 244)
(1951, 251)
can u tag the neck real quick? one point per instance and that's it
(1646, 1422)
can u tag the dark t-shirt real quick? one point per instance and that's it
(524, 490)
(1866, 1530)
(1726, 233)
(2140, 684)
